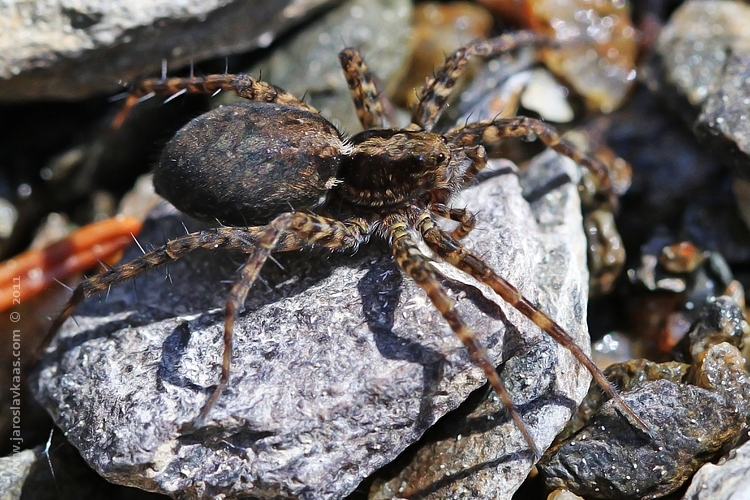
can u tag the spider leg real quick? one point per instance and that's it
(466, 219)
(490, 132)
(306, 229)
(371, 104)
(417, 266)
(242, 85)
(437, 90)
(232, 238)
(458, 256)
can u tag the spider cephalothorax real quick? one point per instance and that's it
(283, 178)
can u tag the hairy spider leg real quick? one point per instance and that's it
(450, 250)
(308, 229)
(436, 91)
(418, 267)
(243, 85)
(231, 238)
(491, 132)
(367, 99)
(465, 218)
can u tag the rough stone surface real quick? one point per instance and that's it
(704, 52)
(727, 480)
(609, 459)
(14, 470)
(724, 122)
(52, 49)
(693, 424)
(475, 453)
(693, 45)
(339, 362)
(307, 63)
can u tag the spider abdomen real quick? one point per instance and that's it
(246, 163)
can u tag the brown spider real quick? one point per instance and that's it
(246, 165)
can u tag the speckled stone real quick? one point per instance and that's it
(339, 362)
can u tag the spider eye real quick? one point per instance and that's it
(440, 158)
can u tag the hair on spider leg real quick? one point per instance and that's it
(175, 96)
(120, 96)
(145, 97)
(62, 284)
(135, 239)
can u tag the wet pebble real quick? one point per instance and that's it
(681, 281)
(562, 494)
(614, 347)
(721, 320)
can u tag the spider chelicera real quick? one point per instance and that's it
(245, 165)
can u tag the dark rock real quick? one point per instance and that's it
(609, 459)
(600, 456)
(721, 320)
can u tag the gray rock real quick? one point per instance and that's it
(729, 479)
(693, 45)
(724, 122)
(307, 63)
(475, 454)
(72, 49)
(14, 470)
(339, 362)
(704, 53)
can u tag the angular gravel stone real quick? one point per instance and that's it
(610, 460)
(307, 63)
(14, 470)
(724, 122)
(727, 480)
(475, 452)
(339, 361)
(693, 45)
(51, 49)
(704, 52)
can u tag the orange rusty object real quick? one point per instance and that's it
(27, 274)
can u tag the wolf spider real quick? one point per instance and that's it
(245, 165)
